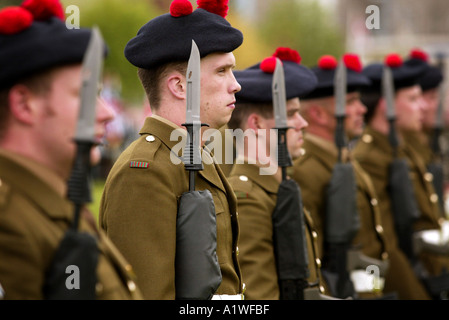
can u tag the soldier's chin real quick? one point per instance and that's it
(95, 156)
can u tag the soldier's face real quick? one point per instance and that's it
(218, 88)
(297, 123)
(409, 108)
(355, 109)
(58, 123)
(431, 99)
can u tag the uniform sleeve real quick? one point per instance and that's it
(138, 211)
(256, 255)
(313, 179)
(21, 267)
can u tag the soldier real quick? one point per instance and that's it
(314, 169)
(257, 192)
(431, 209)
(140, 200)
(430, 83)
(40, 86)
(375, 154)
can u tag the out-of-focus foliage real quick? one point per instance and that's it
(304, 26)
(118, 21)
(253, 49)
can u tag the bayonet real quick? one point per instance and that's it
(388, 92)
(280, 116)
(78, 184)
(340, 83)
(279, 96)
(340, 80)
(192, 153)
(91, 74)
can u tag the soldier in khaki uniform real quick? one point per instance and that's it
(313, 170)
(374, 153)
(140, 200)
(432, 211)
(40, 87)
(257, 192)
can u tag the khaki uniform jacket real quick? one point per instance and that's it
(256, 196)
(139, 207)
(34, 217)
(374, 153)
(427, 199)
(313, 172)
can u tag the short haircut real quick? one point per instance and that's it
(151, 80)
(38, 83)
(244, 109)
(370, 98)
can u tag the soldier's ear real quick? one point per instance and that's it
(22, 104)
(254, 122)
(176, 84)
(382, 106)
(318, 114)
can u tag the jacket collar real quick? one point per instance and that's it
(21, 175)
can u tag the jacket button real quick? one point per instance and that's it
(367, 138)
(150, 138)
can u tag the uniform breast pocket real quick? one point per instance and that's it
(224, 230)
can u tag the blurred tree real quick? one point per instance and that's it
(253, 49)
(6, 3)
(304, 26)
(118, 21)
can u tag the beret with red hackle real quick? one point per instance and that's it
(405, 73)
(432, 76)
(325, 72)
(168, 38)
(256, 81)
(34, 37)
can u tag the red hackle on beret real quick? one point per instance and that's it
(179, 8)
(268, 64)
(393, 60)
(219, 7)
(352, 61)
(14, 20)
(327, 62)
(44, 9)
(419, 54)
(287, 54)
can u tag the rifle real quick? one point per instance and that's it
(77, 248)
(288, 217)
(197, 272)
(404, 205)
(341, 218)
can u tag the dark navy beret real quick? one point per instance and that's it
(168, 38)
(257, 84)
(405, 74)
(431, 79)
(29, 45)
(432, 76)
(325, 72)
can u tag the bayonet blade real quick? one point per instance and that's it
(439, 118)
(193, 85)
(340, 80)
(279, 96)
(192, 153)
(388, 92)
(91, 74)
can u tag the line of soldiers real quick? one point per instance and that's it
(138, 236)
